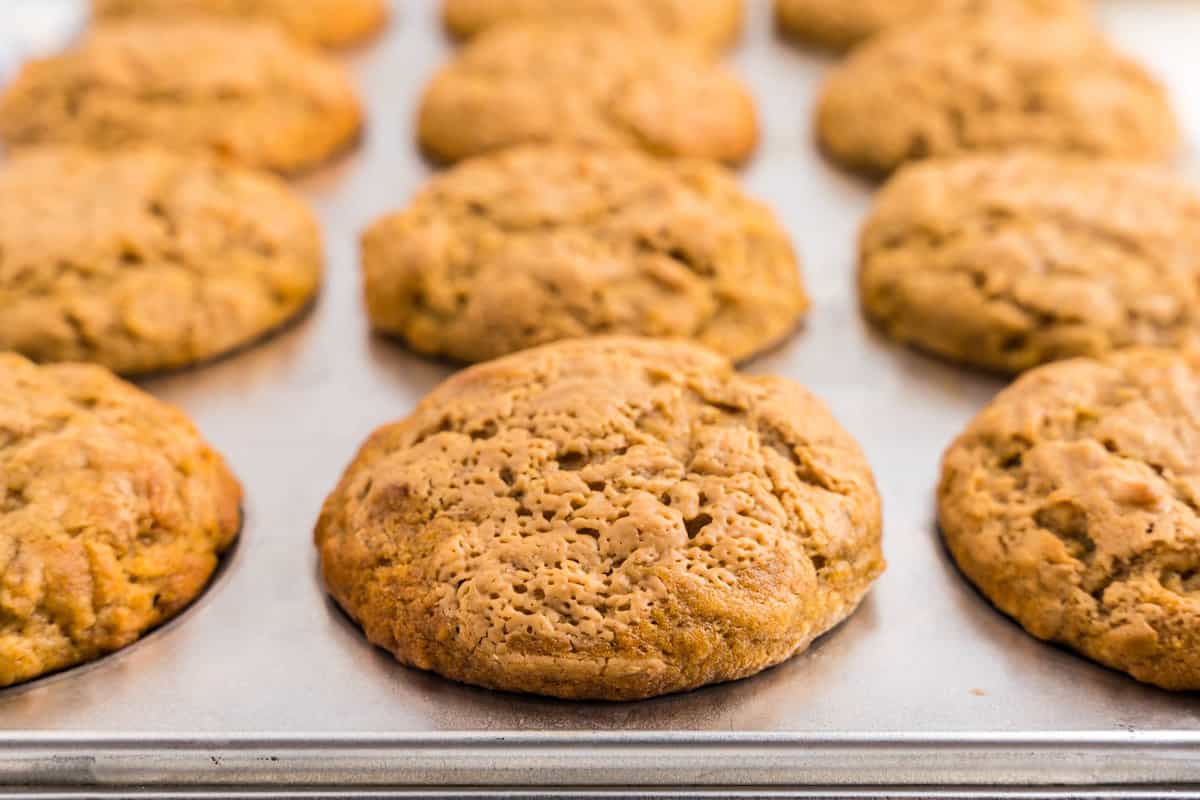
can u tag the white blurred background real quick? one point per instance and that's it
(33, 27)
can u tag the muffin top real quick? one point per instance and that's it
(605, 518)
(237, 89)
(1071, 501)
(113, 513)
(537, 244)
(144, 260)
(585, 84)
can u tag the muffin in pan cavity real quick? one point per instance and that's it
(958, 85)
(536, 244)
(144, 260)
(1009, 261)
(113, 515)
(585, 84)
(323, 23)
(710, 25)
(235, 89)
(841, 24)
(1071, 502)
(610, 518)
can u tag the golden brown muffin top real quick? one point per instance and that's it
(144, 260)
(325, 23)
(607, 518)
(538, 244)
(530, 83)
(233, 88)
(950, 86)
(711, 25)
(839, 24)
(113, 512)
(1073, 502)
(1010, 261)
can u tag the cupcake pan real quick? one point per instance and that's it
(264, 686)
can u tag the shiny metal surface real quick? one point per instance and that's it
(263, 682)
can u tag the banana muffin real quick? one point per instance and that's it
(840, 24)
(955, 85)
(113, 515)
(585, 84)
(144, 260)
(603, 519)
(236, 89)
(536, 244)
(711, 25)
(1071, 502)
(1005, 262)
(324, 23)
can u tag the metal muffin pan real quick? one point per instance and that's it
(264, 686)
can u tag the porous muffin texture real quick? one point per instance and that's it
(955, 85)
(236, 89)
(840, 24)
(1072, 502)
(113, 514)
(606, 519)
(537, 244)
(324, 23)
(143, 260)
(1006, 262)
(711, 25)
(585, 84)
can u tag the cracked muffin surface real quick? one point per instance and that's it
(240, 90)
(840, 24)
(956, 85)
(1010, 261)
(610, 518)
(538, 244)
(144, 260)
(711, 25)
(585, 84)
(325, 23)
(113, 514)
(1073, 503)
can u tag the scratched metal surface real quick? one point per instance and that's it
(264, 654)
